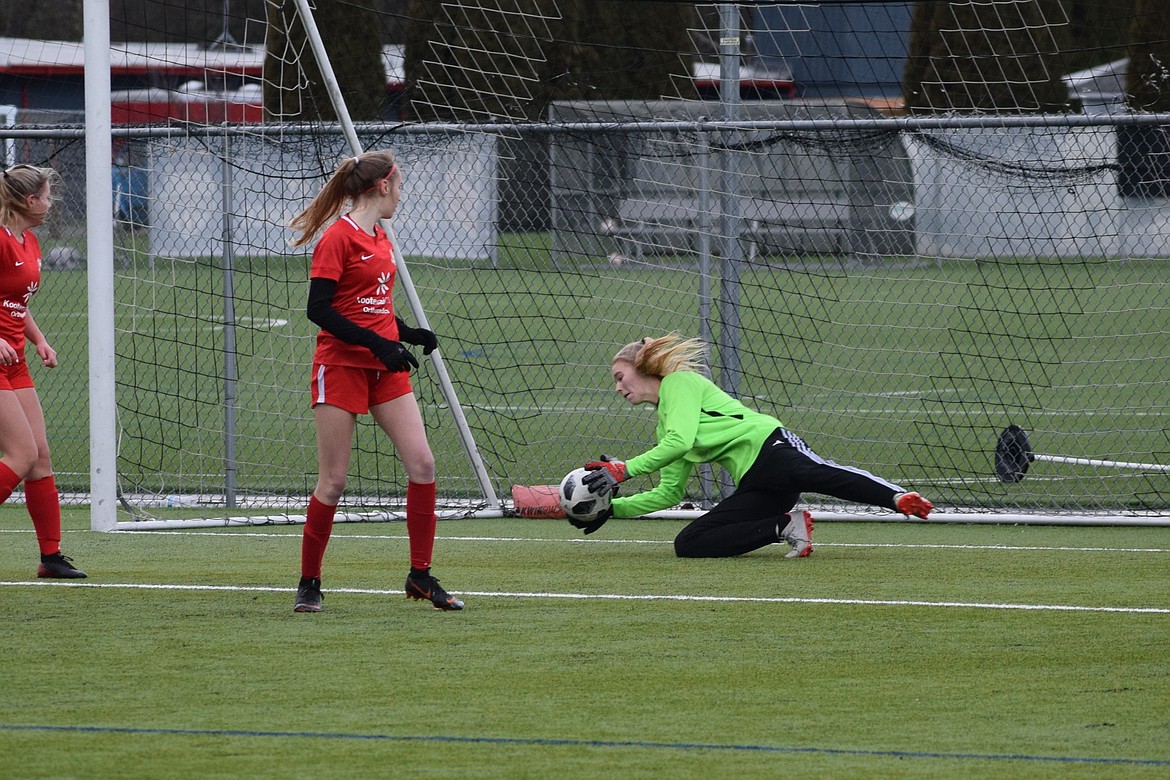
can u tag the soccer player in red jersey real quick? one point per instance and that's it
(25, 200)
(361, 366)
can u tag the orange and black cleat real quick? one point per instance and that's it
(424, 587)
(59, 567)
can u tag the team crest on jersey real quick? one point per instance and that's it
(383, 283)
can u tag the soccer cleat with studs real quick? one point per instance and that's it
(798, 533)
(309, 596)
(912, 504)
(59, 567)
(422, 586)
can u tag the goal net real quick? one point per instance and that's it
(900, 241)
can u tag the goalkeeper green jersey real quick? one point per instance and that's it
(697, 423)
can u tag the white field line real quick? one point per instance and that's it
(615, 597)
(214, 321)
(988, 412)
(876, 410)
(538, 540)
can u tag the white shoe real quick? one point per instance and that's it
(798, 533)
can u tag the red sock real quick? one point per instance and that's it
(8, 482)
(44, 507)
(420, 523)
(318, 527)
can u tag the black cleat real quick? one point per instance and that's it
(424, 587)
(58, 567)
(309, 595)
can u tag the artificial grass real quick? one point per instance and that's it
(117, 679)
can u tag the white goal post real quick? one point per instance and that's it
(103, 436)
(416, 307)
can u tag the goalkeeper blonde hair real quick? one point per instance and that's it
(664, 355)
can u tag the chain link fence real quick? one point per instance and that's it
(896, 294)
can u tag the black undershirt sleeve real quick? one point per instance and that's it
(321, 312)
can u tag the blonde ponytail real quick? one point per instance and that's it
(664, 355)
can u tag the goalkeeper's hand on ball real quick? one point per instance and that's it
(591, 525)
(605, 475)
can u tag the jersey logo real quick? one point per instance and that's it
(32, 288)
(367, 257)
(19, 262)
(383, 283)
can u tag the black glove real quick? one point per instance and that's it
(592, 525)
(394, 356)
(420, 337)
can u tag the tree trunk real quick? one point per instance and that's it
(294, 89)
(971, 58)
(538, 51)
(1148, 79)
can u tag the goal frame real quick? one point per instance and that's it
(104, 497)
(100, 228)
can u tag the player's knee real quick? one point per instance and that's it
(42, 466)
(420, 468)
(329, 489)
(685, 547)
(22, 461)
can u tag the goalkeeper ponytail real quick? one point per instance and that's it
(664, 355)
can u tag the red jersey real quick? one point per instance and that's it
(363, 267)
(20, 277)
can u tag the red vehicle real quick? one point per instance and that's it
(162, 82)
(150, 82)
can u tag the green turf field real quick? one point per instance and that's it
(910, 370)
(894, 651)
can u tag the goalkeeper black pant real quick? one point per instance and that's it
(751, 517)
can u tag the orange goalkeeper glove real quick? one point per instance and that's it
(605, 475)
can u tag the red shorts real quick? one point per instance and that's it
(15, 376)
(357, 389)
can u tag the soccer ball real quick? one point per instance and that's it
(576, 499)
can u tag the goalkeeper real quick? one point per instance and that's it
(699, 423)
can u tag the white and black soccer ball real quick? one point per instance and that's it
(576, 499)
